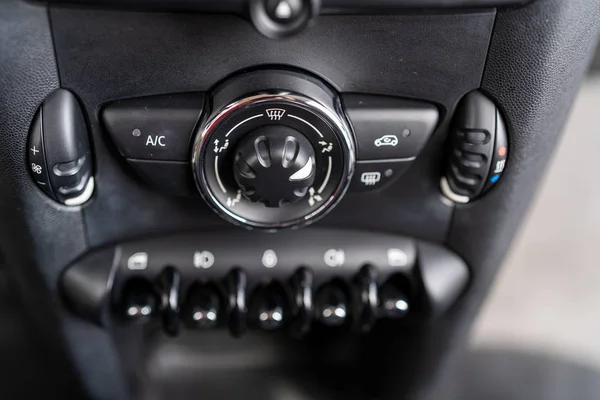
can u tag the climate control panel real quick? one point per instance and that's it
(270, 148)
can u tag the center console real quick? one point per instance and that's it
(275, 199)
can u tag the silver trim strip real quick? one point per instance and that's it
(242, 123)
(326, 180)
(307, 123)
(446, 191)
(84, 196)
(219, 175)
(335, 118)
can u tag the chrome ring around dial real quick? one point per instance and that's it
(217, 137)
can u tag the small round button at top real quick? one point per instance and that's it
(284, 11)
(274, 164)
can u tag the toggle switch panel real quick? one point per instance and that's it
(341, 280)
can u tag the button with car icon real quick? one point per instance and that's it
(386, 140)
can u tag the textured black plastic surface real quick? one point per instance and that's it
(449, 61)
(173, 178)
(88, 283)
(444, 277)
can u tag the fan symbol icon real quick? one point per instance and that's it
(37, 169)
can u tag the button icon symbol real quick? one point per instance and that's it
(334, 257)
(155, 141)
(137, 261)
(231, 202)
(37, 169)
(275, 114)
(327, 147)
(387, 140)
(313, 197)
(397, 258)
(269, 259)
(370, 178)
(221, 148)
(34, 150)
(203, 259)
(500, 166)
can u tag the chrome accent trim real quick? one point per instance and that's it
(336, 119)
(446, 191)
(84, 196)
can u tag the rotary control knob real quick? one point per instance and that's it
(274, 165)
(275, 151)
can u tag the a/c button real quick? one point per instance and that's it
(154, 127)
(374, 175)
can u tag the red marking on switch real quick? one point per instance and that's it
(502, 151)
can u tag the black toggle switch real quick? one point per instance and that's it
(138, 300)
(479, 149)
(169, 283)
(302, 304)
(332, 304)
(236, 284)
(59, 154)
(394, 302)
(269, 306)
(203, 306)
(368, 299)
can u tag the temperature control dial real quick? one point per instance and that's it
(276, 150)
(274, 165)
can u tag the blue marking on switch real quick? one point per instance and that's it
(495, 178)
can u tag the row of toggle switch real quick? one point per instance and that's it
(292, 305)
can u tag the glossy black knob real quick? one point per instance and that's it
(236, 283)
(394, 302)
(332, 305)
(302, 306)
(368, 298)
(274, 164)
(269, 306)
(202, 306)
(169, 283)
(139, 300)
